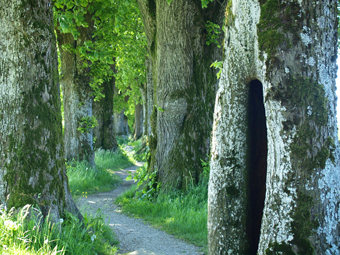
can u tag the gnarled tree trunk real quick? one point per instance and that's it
(184, 86)
(78, 98)
(32, 167)
(275, 153)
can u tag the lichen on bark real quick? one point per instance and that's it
(31, 149)
(298, 77)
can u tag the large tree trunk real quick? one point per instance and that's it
(275, 154)
(32, 168)
(78, 99)
(103, 111)
(184, 84)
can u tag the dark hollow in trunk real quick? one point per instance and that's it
(257, 164)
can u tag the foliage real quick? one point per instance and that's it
(26, 233)
(147, 184)
(203, 2)
(206, 168)
(140, 149)
(213, 33)
(219, 65)
(84, 180)
(118, 39)
(87, 123)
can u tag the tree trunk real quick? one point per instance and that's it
(32, 168)
(149, 96)
(138, 121)
(103, 111)
(185, 86)
(143, 91)
(275, 154)
(78, 99)
(120, 123)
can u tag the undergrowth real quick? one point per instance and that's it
(26, 232)
(84, 180)
(181, 213)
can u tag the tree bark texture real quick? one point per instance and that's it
(289, 49)
(149, 101)
(143, 91)
(138, 121)
(32, 167)
(77, 95)
(120, 123)
(184, 86)
(103, 111)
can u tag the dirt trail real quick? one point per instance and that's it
(135, 237)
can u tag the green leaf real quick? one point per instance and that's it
(169, 1)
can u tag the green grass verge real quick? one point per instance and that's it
(84, 180)
(183, 214)
(26, 233)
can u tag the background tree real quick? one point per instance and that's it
(103, 111)
(275, 153)
(76, 27)
(184, 85)
(32, 165)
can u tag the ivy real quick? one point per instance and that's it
(219, 65)
(87, 123)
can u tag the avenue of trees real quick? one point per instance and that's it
(266, 122)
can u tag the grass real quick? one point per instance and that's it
(181, 213)
(26, 233)
(84, 180)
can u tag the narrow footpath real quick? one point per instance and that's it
(135, 237)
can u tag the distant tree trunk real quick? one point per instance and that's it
(121, 123)
(103, 111)
(185, 86)
(143, 92)
(275, 154)
(77, 95)
(32, 168)
(138, 121)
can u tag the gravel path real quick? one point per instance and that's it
(135, 237)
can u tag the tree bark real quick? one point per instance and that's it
(143, 91)
(32, 167)
(149, 96)
(138, 121)
(103, 111)
(286, 52)
(184, 86)
(77, 95)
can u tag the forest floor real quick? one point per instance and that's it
(135, 236)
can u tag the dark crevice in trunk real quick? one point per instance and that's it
(257, 164)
